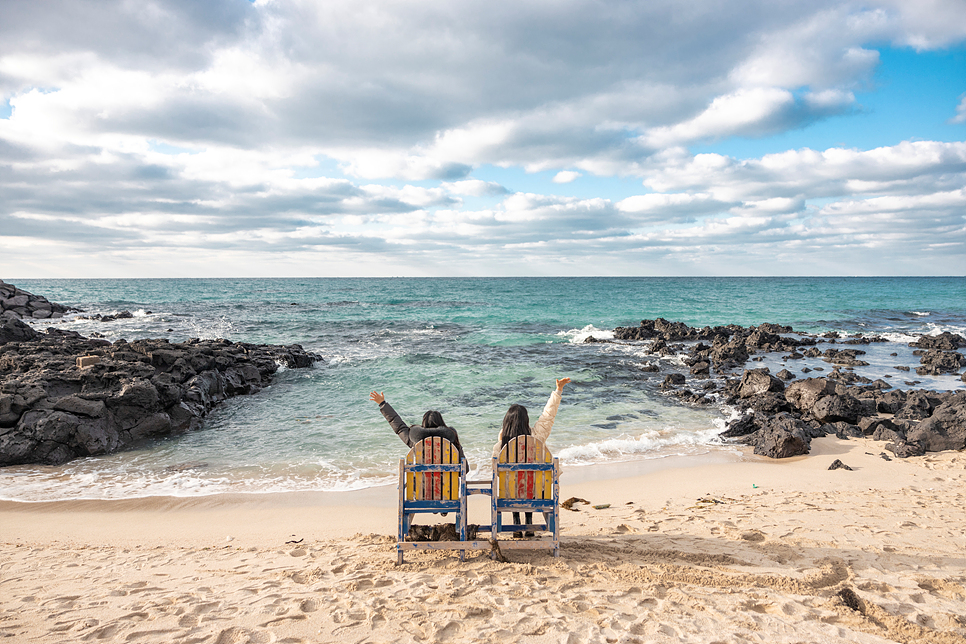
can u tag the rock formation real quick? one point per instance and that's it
(63, 396)
(780, 418)
(913, 422)
(19, 304)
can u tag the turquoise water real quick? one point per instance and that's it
(468, 347)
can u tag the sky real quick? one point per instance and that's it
(304, 138)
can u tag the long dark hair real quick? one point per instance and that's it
(516, 422)
(433, 418)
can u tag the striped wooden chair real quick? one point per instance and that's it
(526, 478)
(431, 479)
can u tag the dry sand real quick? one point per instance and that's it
(750, 551)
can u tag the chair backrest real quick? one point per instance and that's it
(432, 469)
(522, 482)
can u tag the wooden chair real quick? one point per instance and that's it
(431, 479)
(526, 478)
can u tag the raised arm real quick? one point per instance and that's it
(397, 423)
(541, 430)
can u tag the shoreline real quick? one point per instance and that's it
(368, 510)
(212, 519)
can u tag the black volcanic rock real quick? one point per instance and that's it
(758, 381)
(672, 380)
(836, 408)
(945, 341)
(13, 330)
(52, 410)
(937, 362)
(730, 347)
(783, 436)
(742, 426)
(917, 406)
(905, 450)
(945, 428)
(844, 357)
(18, 304)
(803, 394)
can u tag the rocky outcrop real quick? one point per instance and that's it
(63, 396)
(783, 413)
(844, 357)
(945, 341)
(937, 362)
(19, 304)
(912, 422)
(730, 346)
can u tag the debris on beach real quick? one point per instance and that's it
(440, 532)
(850, 599)
(706, 502)
(571, 502)
(495, 551)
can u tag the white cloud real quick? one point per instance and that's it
(475, 188)
(399, 90)
(922, 165)
(927, 24)
(213, 126)
(739, 113)
(566, 176)
(960, 112)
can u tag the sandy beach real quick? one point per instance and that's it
(740, 550)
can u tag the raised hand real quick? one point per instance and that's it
(561, 382)
(378, 398)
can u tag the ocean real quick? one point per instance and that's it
(468, 347)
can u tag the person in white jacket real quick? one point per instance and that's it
(516, 423)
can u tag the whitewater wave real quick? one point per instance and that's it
(34, 486)
(578, 336)
(650, 444)
(212, 329)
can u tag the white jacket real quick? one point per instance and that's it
(540, 431)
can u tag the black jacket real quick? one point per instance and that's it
(412, 434)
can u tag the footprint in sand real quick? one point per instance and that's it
(103, 633)
(309, 606)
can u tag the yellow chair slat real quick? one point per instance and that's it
(504, 458)
(447, 479)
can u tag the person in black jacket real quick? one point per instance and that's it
(432, 425)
